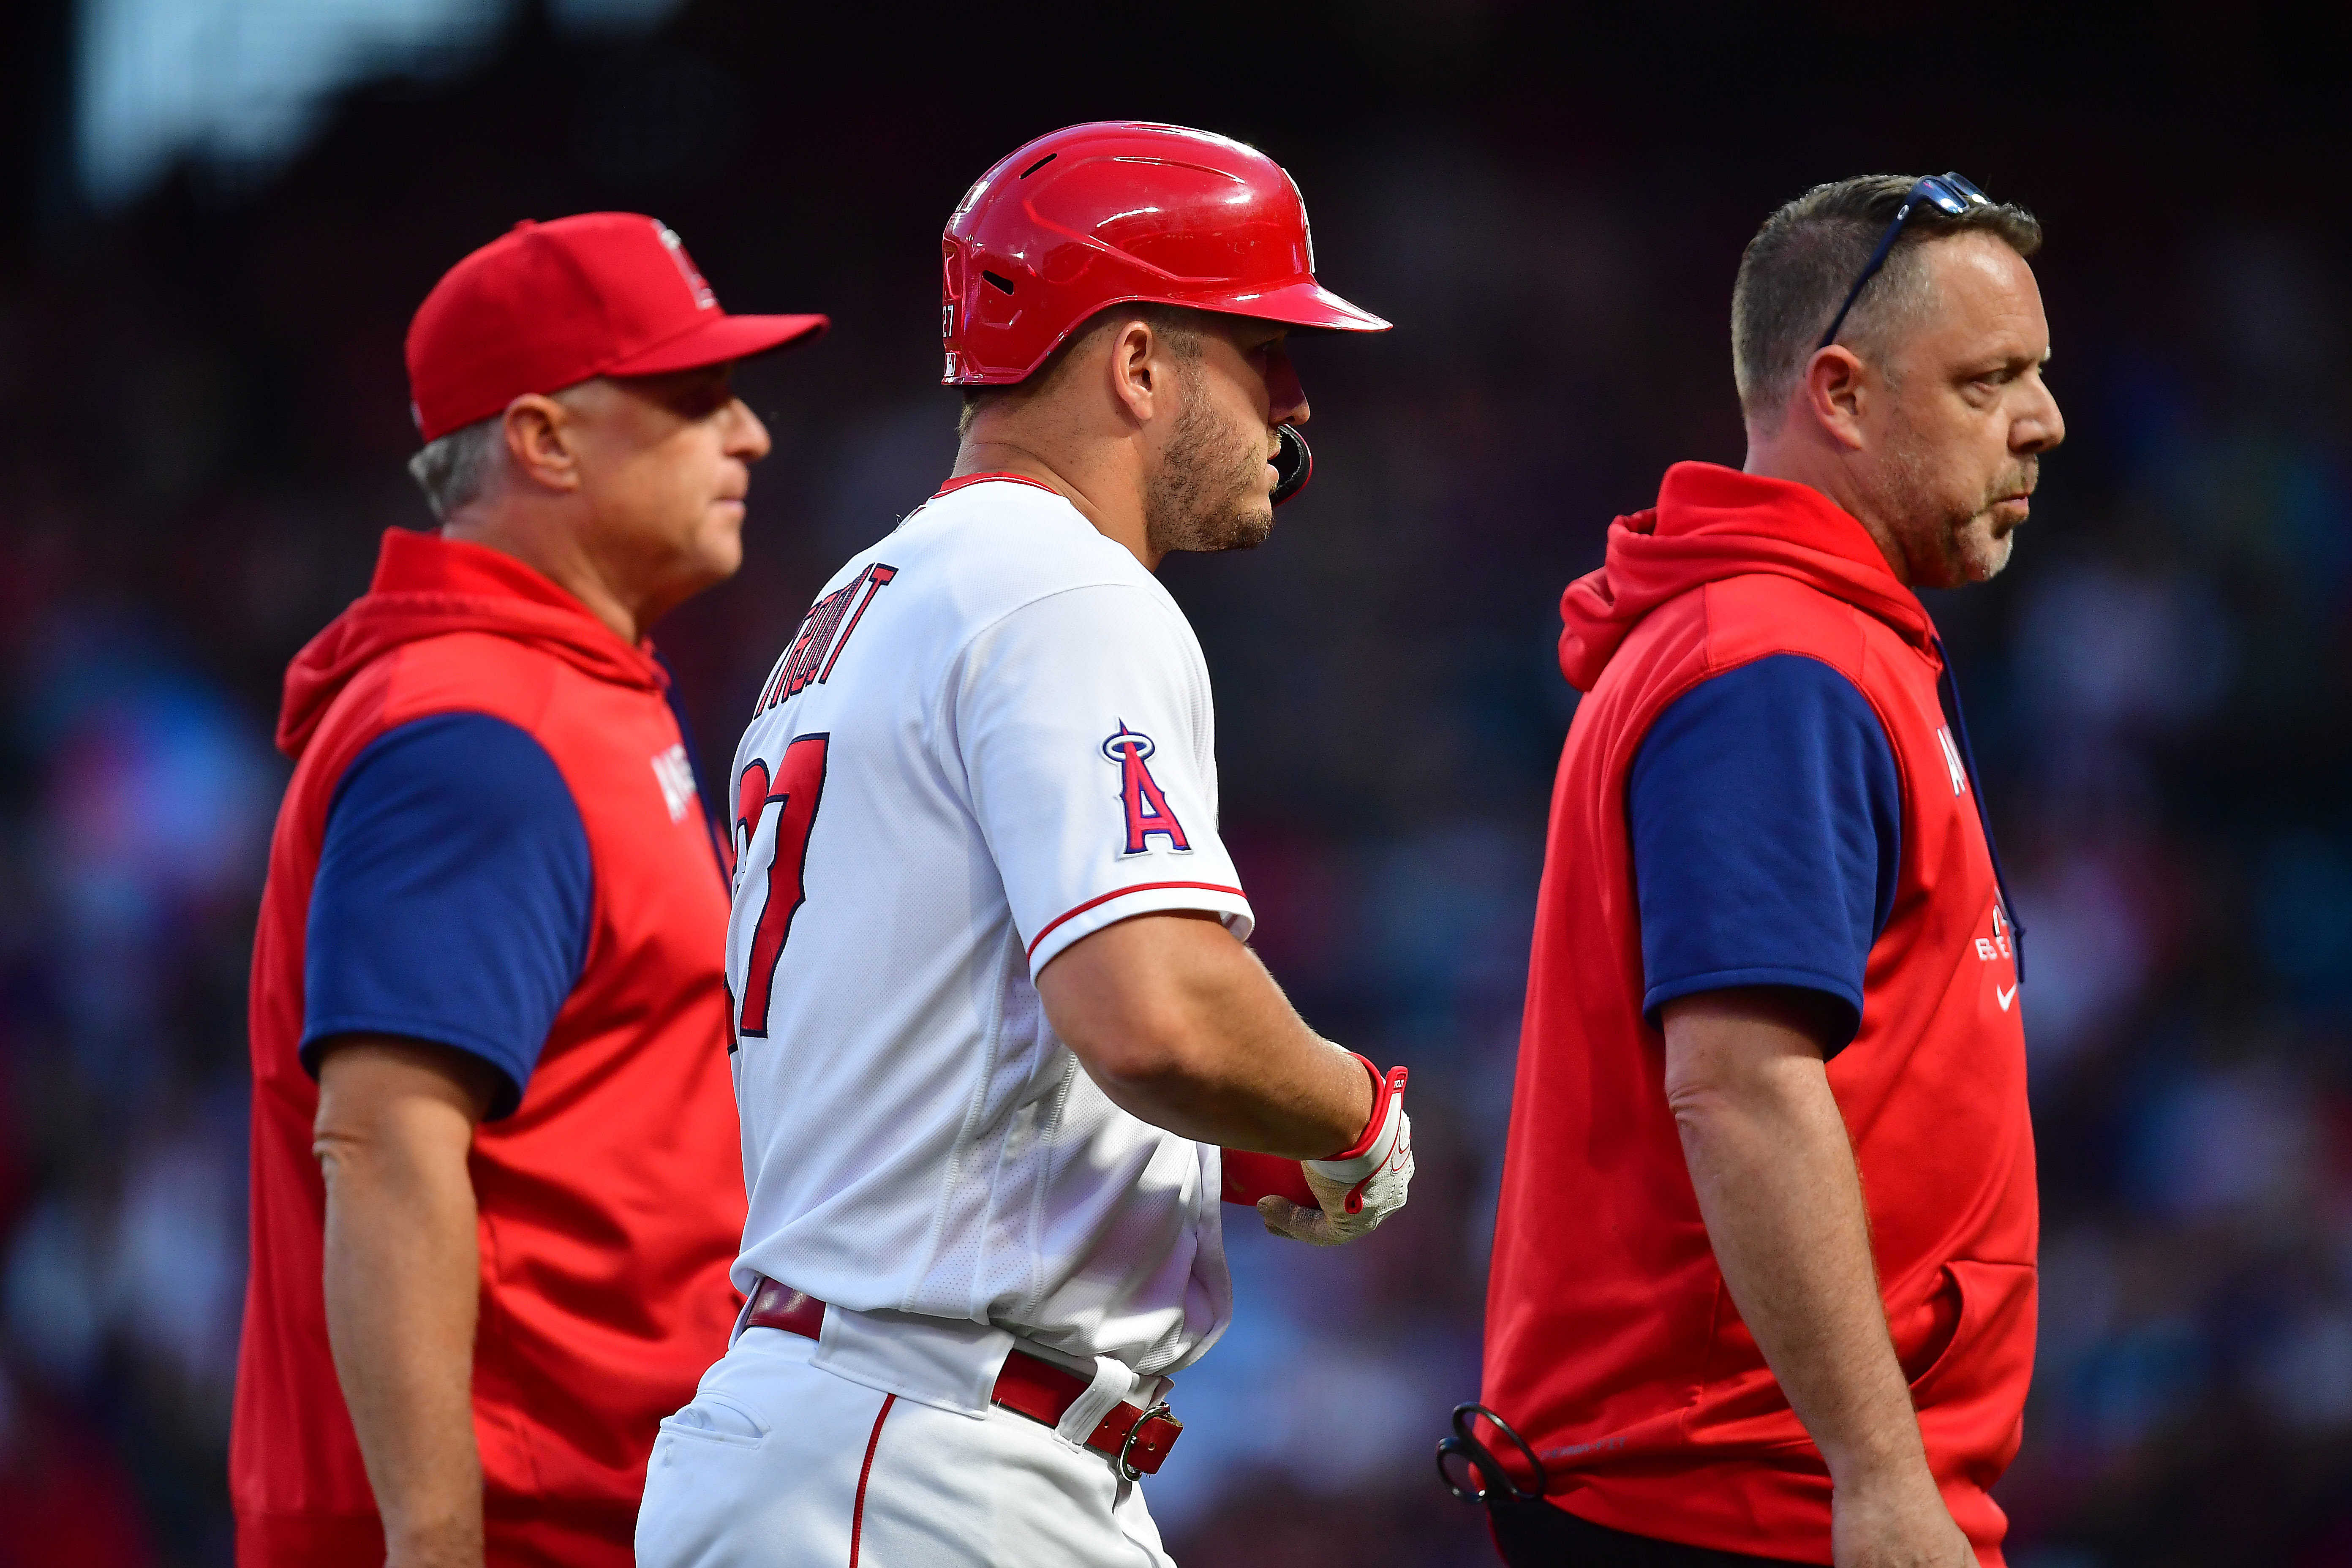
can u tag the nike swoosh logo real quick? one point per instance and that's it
(2005, 997)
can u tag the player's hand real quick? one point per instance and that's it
(1896, 1522)
(1357, 1188)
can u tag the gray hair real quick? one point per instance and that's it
(1796, 272)
(454, 469)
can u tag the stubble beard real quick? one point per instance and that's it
(1209, 493)
(1948, 542)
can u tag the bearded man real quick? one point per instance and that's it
(1000, 1045)
(1763, 1285)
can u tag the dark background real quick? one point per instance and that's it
(206, 420)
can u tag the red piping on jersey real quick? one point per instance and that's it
(865, 1473)
(1138, 888)
(962, 480)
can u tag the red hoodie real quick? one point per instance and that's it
(1611, 1344)
(612, 1200)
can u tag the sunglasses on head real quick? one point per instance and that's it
(1947, 193)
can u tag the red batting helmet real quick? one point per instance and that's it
(1116, 213)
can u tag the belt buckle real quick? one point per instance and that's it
(1126, 1469)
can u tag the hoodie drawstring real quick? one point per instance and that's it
(1951, 688)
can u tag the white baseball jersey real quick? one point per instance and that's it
(992, 736)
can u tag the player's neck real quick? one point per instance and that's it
(1113, 504)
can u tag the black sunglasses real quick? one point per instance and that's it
(1947, 193)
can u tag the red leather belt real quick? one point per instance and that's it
(1136, 1440)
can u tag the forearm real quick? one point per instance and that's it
(402, 1280)
(1182, 1027)
(1777, 1187)
(1775, 1176)
(1277, 1088)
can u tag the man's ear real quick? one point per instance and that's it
(1137, 372)
(1835, 390)
(539, 440)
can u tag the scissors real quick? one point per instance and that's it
(1484, 1477)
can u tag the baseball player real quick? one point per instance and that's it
(995, 1014)
(493, 1196)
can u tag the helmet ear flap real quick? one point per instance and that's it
(1294, 463)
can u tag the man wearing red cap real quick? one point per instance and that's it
(995, 1013)
(495, 1179)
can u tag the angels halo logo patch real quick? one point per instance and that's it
(1147, 813)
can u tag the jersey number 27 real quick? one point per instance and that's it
(793, 794)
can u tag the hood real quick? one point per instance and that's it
(1712, 522)
(428, 586)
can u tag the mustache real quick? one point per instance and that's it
(2018, 481)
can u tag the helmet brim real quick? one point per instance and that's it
(1305, 304)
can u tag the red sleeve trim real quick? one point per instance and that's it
(1139, 888)
(962, 480)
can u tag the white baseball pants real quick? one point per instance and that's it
(779, 1463)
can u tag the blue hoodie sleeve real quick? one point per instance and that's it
(1767, 822)
(452, 902)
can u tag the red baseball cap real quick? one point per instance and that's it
(549, 305)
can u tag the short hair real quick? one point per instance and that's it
(453, 470)
(1180, 325)
(1796, 272)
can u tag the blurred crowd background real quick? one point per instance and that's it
(220, 212)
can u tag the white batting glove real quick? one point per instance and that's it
(1360, 1187)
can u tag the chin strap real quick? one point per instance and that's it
(1293, 464)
